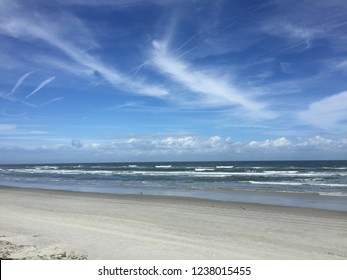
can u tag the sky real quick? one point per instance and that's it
(172, 80)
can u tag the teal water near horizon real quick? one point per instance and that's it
(270, 182)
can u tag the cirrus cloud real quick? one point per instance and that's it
(55, 31)
(214, 89)
(7, 127)
(326, 113)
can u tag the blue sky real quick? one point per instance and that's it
(135, 80)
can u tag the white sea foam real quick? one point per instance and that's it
(330, 185)
(333, 193)
(281, 172)
(275, 183)
(46, 167)
(204, 169)
(183, 173)
(224, 166)
(163, 166)
(97, 166)
(204, 173)
(297, 184)
(63, 171)
(336, 168)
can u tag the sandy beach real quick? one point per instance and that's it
(46, 224)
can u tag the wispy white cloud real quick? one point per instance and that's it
(7, 127)
(326, 113)
(297, 35)
(119, 4)
(342, 66)
(40, 86)
(210, 85)
(51, 101)
(6, 114)
(19, 82)
(54, 31)
(62, 65)
(301, 23)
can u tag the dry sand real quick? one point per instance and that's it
(43, 224)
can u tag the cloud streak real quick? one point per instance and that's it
(51, 101)
(54, 32)
(19, 82)
(326, 113)
(40, 86)
(7, 127)
(296, 35)
(213, 88)
(301, 24)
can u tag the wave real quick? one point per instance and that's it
(335, 168)
(183, 173)
(62, 171)
(46, 167)
(163, 166)
(224, 166)
(275, 183)
(332, 193)
(281, 172)
(206, 172)
(330, 185)
(284, 183)
(204, 169)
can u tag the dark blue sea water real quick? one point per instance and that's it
(274, 182)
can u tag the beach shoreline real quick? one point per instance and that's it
(76, 225)
(308, 184)
(290, 199)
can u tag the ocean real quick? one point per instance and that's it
(315, 184)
